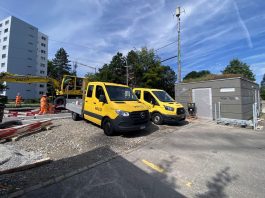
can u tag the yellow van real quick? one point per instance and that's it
(112, 106)
(161, 106)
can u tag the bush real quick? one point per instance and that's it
(3, 99)
(212, 77)
(262, 93)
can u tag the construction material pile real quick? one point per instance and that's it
(12, 157)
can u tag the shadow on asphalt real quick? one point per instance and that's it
(181, 123)
(115, 178)
(168, 179)
(216, 187)
(134, 134)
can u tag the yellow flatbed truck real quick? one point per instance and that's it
(161, 106)
(112, 106)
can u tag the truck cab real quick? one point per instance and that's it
(112, 106)
(161, 106)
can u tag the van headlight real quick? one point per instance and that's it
(169, 108)
(122, 113)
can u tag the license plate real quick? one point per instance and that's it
(142, 127)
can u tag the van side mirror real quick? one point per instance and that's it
(153, 102)
(102, 98)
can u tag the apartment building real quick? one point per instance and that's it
(24, 51)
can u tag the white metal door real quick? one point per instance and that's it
(203, 102)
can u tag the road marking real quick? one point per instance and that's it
(153, 166)
(189, 184)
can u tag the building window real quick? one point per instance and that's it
(43, 51)
(42, 58)
(3, 64)
(0, 24)
(43, 45)
(30, 43)
(41, 92)
(29, 58)
(4, 47)
(6, 30)
(3, 55)
(29, 66)
(30, 51)
(43, 38)
(0, 32)
(30, 35)
(5, 39)
(42, 65)
(31, 28)
(41, 85)
(42, 72)
(7, 22)
(28, 90)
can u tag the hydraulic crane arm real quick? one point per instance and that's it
(5, 77)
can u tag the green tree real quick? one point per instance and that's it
(60, 65)
(115, 71)
(262, 88)
(145, 71)
(237, 67)
(3, 87)
(262, 83)
(195, 74)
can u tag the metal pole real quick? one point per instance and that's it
(254, 122)
(179, 63)
(219, 103)
(127, 75)
(215, 113)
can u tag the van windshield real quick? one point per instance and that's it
(117, 93)
(163, 96)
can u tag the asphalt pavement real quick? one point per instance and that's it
(200, 160)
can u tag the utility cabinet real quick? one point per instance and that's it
(231, 98)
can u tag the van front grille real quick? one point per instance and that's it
(139, 116)
(180, 111)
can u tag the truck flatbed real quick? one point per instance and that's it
(74, 105)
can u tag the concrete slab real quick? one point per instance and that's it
(201, 160)
(118, 178)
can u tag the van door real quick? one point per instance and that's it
(97, 110)
(149, 100)
(88, 103)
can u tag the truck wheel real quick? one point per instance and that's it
(108, 127)
(157, 118)
(75, 116)
(60, 101)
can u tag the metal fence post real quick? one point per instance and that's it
(219, 108)
(215, 113)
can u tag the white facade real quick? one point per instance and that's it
(24, 51)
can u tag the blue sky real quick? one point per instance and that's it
(92, 31)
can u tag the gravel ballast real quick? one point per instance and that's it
(12, 157)
(73, 145)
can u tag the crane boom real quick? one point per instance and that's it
(28, 79)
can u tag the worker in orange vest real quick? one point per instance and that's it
(18, 100)
(43, 105)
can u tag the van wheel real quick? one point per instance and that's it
(75, 116)
(157, 118)
(108, 127)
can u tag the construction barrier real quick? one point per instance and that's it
(23, 129)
